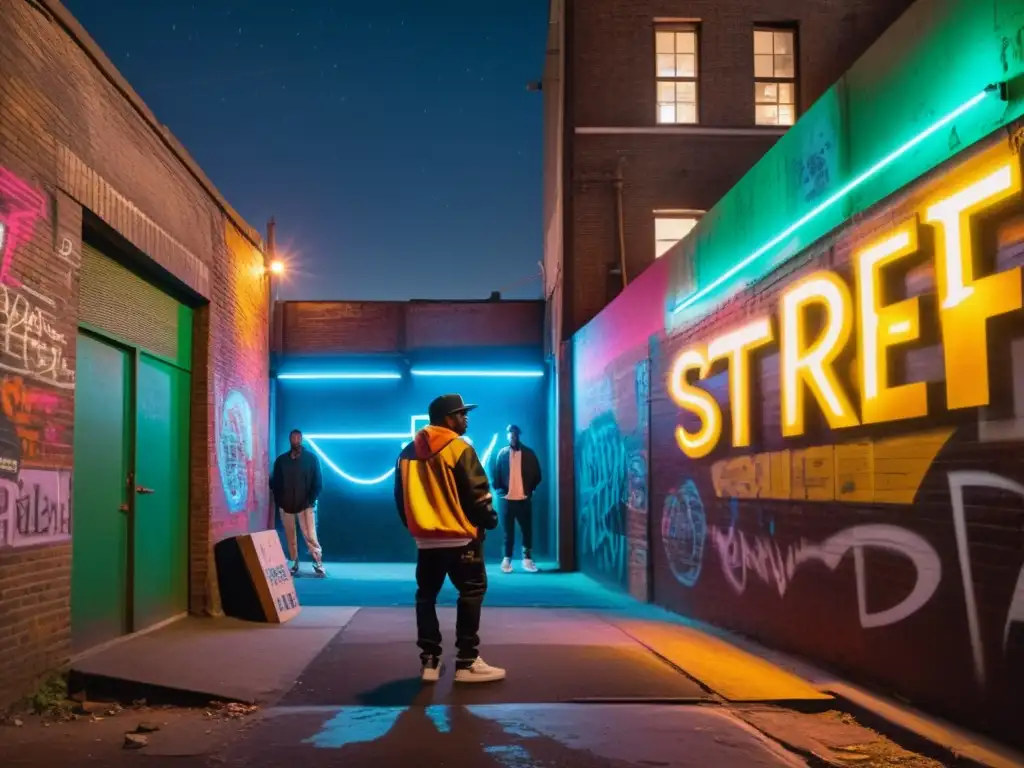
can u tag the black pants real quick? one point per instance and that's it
(518, 512)
(465, 567)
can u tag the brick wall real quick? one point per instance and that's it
(312, 328)
(611, 71)
(73, 136)
(894, 552)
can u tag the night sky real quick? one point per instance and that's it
(394, 142)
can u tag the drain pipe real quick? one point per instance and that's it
(619, 219)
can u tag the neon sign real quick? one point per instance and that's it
(524, 374)
(842, 193)
(818, 315)
(338, 376)
(404, 438)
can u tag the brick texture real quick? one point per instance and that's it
(856, 551)
(74, 135)
(610, 83)
(313, 328)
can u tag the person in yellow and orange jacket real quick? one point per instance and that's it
(444, 499)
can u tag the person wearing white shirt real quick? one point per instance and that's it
(516, 476)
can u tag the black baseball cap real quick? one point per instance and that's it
(446, 405)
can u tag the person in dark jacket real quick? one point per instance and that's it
(296, 484)
(516, 477)
(444, 499)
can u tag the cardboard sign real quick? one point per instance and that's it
(270, 575)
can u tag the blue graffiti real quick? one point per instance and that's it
(235, 449)
(684, 530)
(602, 489)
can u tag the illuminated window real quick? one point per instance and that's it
(675, 47)
(670, 228)
(774, 76)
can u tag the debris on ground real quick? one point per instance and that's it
(147, 728)
(230, 710)
(135, 741)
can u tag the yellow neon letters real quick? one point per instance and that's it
(966, 303)
(811, 364)
(884, 327)
(817, 316)
(695, 400)
(736, 346)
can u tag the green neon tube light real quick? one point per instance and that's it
(874, 170)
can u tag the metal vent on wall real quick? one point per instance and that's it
(116, 300)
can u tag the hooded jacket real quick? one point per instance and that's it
(441, 489)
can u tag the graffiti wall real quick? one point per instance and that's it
(240, 458)
(612, 386)
(835, 461)
(37, 382)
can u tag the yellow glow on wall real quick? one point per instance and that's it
(817, 315)
(966, 303)
(885, 327)
(695, 400)
(736, 347)
(811, 365)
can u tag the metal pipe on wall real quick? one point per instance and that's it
(620, 224)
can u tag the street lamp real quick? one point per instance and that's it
(277, 267)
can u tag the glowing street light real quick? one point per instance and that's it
(277, 267)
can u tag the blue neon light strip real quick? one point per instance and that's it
(479, 374)
(874, 170)
(405, 438)
(338, 376)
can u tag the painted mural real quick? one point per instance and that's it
(834, 463)
(37, 382)
(612, 427)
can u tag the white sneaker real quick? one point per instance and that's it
(529, 566)
(506, 565)
(431, 671)
(479, 672)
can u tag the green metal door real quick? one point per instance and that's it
(102, 439)
(161, 503)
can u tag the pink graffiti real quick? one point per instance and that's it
(21, 207)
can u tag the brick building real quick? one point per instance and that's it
(654, 109)
(135, 334)
(868, 516)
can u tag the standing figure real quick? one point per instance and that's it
(516, 477)
(296, 484)
(444, 499)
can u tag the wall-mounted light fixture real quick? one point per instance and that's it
(498, 374)
(338, 376)
(874, 170)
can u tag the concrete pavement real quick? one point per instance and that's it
(605, 683)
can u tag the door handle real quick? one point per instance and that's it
(144, 491)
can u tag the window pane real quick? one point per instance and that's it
(686, 113)
(763, 42)
(666, 92)
(666, 65)
(686, 42)
(787, 115)
(764, 66)
(784, 66)
(766, 114)
(786, 93)
(766, 93)
(666, 113)
(686, 65)
(668, 232)
(783, 43)
(686, 92)
(664, 42)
